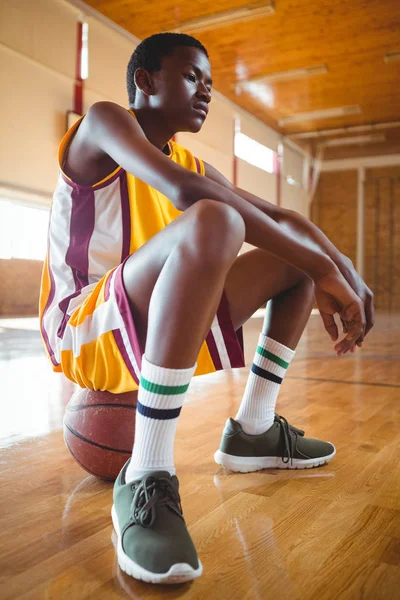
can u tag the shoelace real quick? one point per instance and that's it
(290, 434)
(150, 494)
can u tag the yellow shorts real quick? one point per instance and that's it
(99, 348)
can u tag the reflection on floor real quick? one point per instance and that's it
(34, 398)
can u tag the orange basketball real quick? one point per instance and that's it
(99, 430)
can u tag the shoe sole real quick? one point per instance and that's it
(246, 464)
(178, 573)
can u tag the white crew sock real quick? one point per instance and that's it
(161, 395)
(257, 409)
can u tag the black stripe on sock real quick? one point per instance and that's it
(158, 413)
(266, 374)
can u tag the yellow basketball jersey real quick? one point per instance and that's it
(92, 230)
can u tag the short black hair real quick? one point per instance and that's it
(149, 53)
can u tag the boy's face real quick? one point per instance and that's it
(184, 81)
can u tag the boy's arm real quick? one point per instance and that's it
(293, 222)
(301, 228)
(110, 129)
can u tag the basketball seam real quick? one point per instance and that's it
(83, 406)
(78, 435)
(83, 466)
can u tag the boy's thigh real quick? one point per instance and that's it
(142, 268)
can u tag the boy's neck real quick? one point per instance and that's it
(154, 126)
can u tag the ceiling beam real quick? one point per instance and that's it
(228, 17)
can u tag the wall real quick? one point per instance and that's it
(20, 290)
(37, 70)
(382, 235)
(334, 210)
(294, 195)
(37, 50)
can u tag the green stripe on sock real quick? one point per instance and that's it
(165, 390)
(272, 357)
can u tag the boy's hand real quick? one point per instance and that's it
(363, 292)
(334, 295)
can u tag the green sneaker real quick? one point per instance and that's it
(153, 542)
(282, 446)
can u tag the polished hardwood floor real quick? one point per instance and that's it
(328, 533)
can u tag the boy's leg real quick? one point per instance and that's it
(267, 440)
(174, 284)
(174, 307)
(289, 293)
(257, 277)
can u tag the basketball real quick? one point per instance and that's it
(99, 430)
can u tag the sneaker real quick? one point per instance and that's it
(282, 446)
(153, 542)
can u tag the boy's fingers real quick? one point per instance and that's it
(330, 325)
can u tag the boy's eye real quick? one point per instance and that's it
(193, 78)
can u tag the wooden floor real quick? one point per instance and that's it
(329, 533)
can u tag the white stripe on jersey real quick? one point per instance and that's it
(220, 343)
(104, 251)
(104, 318)
(59, 229)
(105, 248)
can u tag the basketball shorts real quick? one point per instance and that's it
(100, 349)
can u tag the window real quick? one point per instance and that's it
(84, 67)
(254, 153)
(23, 231)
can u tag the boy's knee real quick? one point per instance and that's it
(219, 222)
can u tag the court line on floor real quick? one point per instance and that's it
(304, 353)
(390, 385)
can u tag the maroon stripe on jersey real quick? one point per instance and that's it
(63, 305)
(197, 165)
(121, 346)
(233, 340)
(126, 314)
(81, 231)
(126, 216)
(212, 346)
(77, 258)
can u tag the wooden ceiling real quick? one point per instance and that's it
(350, 37)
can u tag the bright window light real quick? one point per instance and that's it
(254, 153)
(85, 51)
(23, 231)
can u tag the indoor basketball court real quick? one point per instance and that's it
(304, 116)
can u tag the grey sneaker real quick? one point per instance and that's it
(153, 542)
(280, 447)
